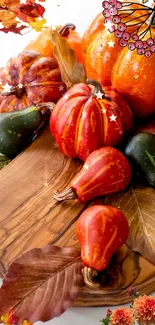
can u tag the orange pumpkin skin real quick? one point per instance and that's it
(134, 77)
(91, 31)
(44, 45)
(101, 231)
(40, 79)
(100, 61)
(104, 172)
(99, 57)
(81, 123)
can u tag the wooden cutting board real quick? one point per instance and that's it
(30, 218)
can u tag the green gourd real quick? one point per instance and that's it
(17, 128)
(141, 151)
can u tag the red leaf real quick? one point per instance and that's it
(34, 10)
(42, 283)
(15, 30)
(25, 9)
(29, 11)
(40, 9)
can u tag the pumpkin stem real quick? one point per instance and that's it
(18, 91)
(64, 31)
(98, 90)
(67, 194)
(44, 107)
(89, 274)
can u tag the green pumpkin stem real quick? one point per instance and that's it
(64, 31)
(97, 87)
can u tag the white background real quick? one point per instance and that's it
(79, 12)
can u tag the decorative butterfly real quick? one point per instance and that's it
(131, 23)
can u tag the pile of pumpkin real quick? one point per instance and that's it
(89, 119)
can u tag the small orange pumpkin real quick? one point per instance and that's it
(87, 118)
(44, 45)
(29, 79)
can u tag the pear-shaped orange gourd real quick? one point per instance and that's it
(101, 231)
(44, 44)
(105, 171)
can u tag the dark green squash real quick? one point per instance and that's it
(141, 151)
(16, 129)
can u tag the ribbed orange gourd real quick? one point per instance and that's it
(29, 79)
(87, 118)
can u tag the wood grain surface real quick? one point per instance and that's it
(30, 218)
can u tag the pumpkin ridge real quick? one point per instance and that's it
(8, 71)
(27, 67)
(99, 106)
(65, 130)
(78, 129)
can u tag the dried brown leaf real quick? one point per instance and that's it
(72, 72)
(138, 204)
(42, 283)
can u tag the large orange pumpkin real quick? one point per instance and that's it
(44, 45)
(99, 57)
(29, 79)
(130, 73)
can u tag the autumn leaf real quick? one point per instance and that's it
(138, 204)
(42, 283)
(38, 24)
(8, 18)
(40, 9)
(15, 30)
(72, 72)
(14, 12)
(34, 10)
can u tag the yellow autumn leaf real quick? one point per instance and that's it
(38, 24)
